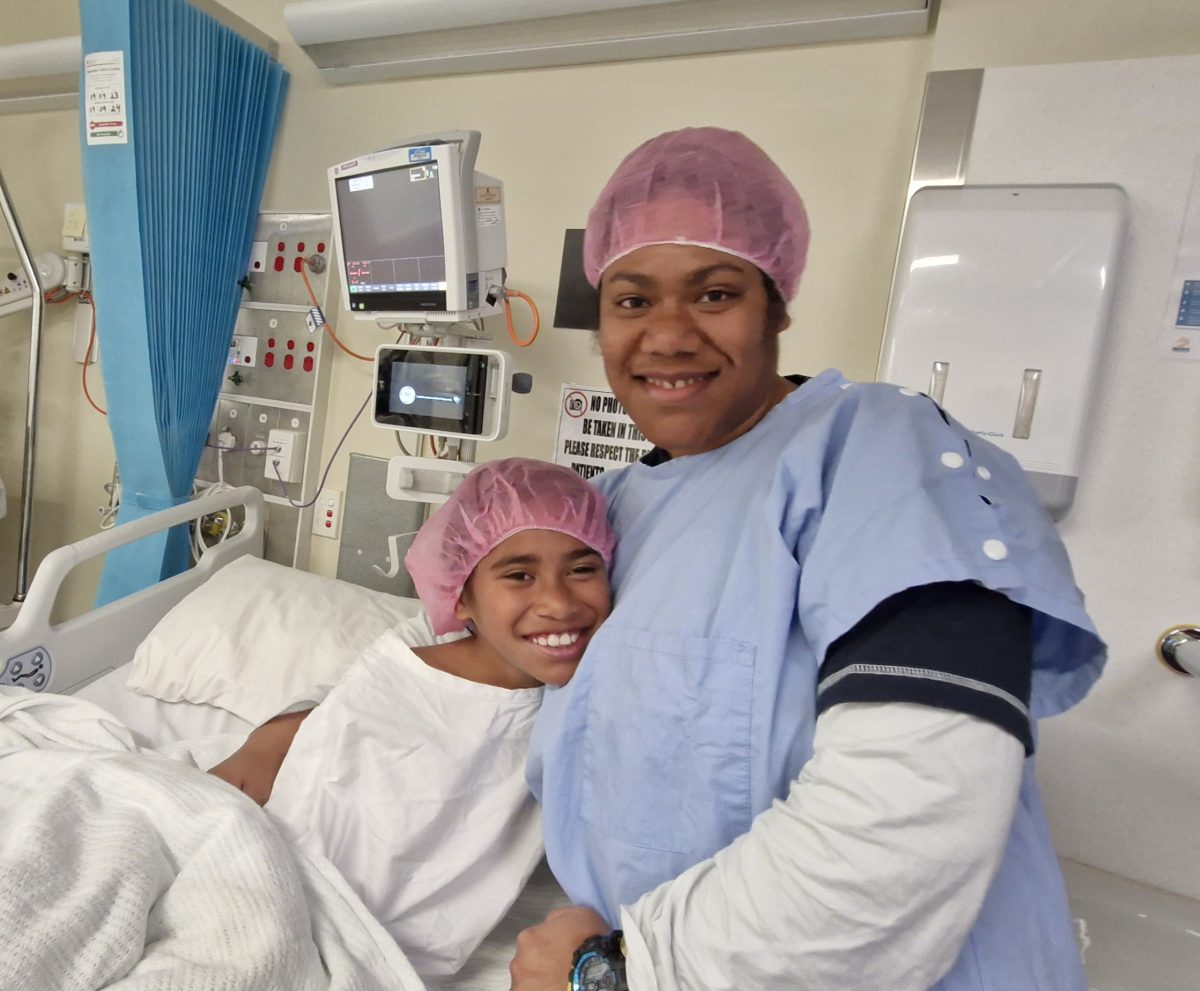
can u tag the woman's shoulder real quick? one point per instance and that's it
(879, 418)
(830, 412)
(833, 394)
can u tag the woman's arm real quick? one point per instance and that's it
(868, 876)
(253, 767)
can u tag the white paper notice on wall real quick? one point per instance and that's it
(104, 98)
(1181, 335)
(595, 433)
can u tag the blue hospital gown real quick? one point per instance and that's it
(695, 705)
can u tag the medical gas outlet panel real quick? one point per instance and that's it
(267, 429)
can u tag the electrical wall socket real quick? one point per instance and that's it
(15, 291)
(243, 351)
(258, 257)
(327, 514)
(285, 454)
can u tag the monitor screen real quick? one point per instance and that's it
(392, 244)
(430, 389)
(436, 391)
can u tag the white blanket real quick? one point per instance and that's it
(132, 871)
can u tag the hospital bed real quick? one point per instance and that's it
(92, 656)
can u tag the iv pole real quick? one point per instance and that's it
(35, 355)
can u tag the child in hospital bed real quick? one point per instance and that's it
(409, 776)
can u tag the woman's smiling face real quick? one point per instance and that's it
(688, 346)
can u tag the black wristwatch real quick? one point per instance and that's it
(599, 964)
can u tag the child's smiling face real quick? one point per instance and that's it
(535, 602)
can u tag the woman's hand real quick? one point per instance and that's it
(253, 767)
(545, 951)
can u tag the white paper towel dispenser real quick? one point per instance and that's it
(999, 311)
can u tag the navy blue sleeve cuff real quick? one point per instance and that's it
(952, 645)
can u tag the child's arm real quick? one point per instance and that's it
(253, 767)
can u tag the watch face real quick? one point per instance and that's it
(594, 973)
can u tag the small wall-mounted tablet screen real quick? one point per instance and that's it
(440, 391)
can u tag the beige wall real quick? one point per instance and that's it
(39, 158)
(840, 119)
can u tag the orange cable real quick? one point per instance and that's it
(537, 317)
(87, 357)
(328, 329)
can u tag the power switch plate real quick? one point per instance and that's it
(327, 515)
(75, 228)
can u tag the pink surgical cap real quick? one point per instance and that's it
(492, 503)
(703, 186)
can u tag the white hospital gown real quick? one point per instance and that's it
(411, 781)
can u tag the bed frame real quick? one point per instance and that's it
(48, 657)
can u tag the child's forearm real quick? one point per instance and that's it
(255, 765)
(277, 734)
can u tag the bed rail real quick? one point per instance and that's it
(48, 657)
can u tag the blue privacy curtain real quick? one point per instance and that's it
(178, 115)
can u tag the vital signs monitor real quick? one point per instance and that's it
(420, 233)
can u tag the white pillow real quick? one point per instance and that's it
(257, 638)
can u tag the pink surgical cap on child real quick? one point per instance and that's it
(492, 503)
(703, 186)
